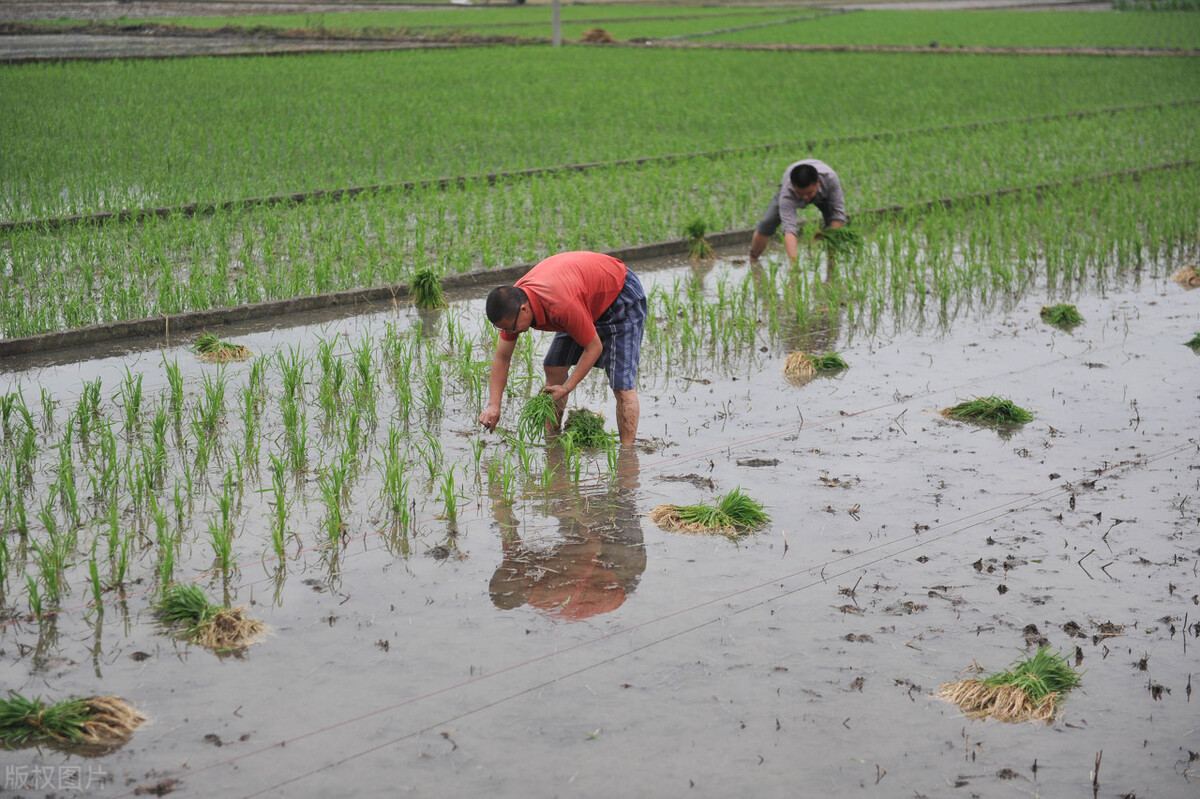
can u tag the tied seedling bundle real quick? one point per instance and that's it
(1031, 690)
(843, 240)
(94, 721)
(989, 410)
(698, 247)
(427, 290)
(213, 350)
(1194, 343)
(733, 514)
(1187, 277)
(1062, 315)
(211, 626)
(538, 414)
(584, 429)
(802, 366)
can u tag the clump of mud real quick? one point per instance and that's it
(597, 36)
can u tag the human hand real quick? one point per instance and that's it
(489, 418)
(559, 393)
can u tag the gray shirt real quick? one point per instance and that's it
(829, 199)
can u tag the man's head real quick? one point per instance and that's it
(805, 182)
(508, 309)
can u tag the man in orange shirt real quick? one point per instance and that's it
(596, 308)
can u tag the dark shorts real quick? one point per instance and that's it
(770, 219)
(620, 329)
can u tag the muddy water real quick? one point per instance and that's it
(567, 646)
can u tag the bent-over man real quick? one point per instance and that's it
(806, 182)
(597, 310)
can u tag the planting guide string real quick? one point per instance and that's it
(955, 526)
(967, 522)
(730, 446)
(197, 209)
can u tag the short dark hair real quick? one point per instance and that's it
(504, 302)
(803, 176)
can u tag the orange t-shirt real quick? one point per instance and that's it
(568, 292)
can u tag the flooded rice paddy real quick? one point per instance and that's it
(562, 644)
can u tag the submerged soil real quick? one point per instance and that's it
(566, 640)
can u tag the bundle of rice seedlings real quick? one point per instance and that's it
(802, 365)
(93, 721)
(213, 350)
(597, 36)
(1030, 690)
(1187, 277)
(1194, 343)
(540, 412)
(732, 515)
(585, 429)
(427, 290)
(1061, 315)
(698, 247)
(211, 626)
(841, 240)
(993, 410)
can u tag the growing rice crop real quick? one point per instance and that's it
(202, 622)
(1030, 690)
(427, 290)
(93, 721)
(733, 514)
(537, 415)
(993, 410)
(1061, 315)
(213, 350)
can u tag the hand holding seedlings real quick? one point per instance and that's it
(806, 182)
(597, 310)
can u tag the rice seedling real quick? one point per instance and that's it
(841, 240)
(449, 495)
(1030, 690)
(332, 485)
(989, 410)
(47, 411)
(539, 415)
(1194, 343)
(802, 366)
(584, 429)
(1062, 315)
(427, 290)
(214, 627)
(94, 721)
(698, 247)
(213, 350)
(733, 514)
(131, 400)
(175, 381)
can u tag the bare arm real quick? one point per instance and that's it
(591, 354)
(501, 362)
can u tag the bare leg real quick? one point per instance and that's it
(556, 376)
(628, 411)
(757, 245)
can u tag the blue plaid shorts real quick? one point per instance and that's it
(620, 328)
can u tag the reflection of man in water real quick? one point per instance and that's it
(594, 565)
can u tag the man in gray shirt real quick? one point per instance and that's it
(806, 182)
